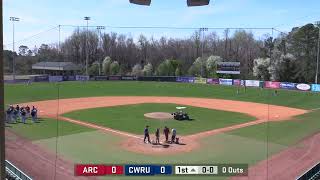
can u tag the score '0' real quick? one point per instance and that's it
(162, 170)
(114, 170)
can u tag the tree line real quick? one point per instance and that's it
(288, 57)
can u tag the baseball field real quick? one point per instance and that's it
(103, 122)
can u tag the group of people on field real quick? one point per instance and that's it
(166, 132)
(13, 114)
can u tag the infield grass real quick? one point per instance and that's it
(130, 118)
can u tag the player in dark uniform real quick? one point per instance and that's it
(9, 114)
(166, 132)
(28, 111)
(36, 112)
(23, 116)
(17, 107)
(20, 113)
(146, 135)
(18, 110)
(33, 115)
(15, 114)
(158, 136)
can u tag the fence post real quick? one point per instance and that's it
(2, 122)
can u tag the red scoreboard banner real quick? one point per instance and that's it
(97, 170)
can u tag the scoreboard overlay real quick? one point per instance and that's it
(161, 170)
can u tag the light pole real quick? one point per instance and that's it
(99, 28)
(318, 52)
(202, 30)
(87, 49)
(13, 19)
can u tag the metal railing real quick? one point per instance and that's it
(311, 174)
(15, 172)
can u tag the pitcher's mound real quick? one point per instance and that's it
(159, 115)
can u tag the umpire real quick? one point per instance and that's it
(146, 135)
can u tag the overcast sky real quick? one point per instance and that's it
(37, 16)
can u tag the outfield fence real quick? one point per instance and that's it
(180, 79)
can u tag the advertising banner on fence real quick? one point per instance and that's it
(288, 85)
(243, 82)
(17, 81)
(185, 79)
(128, 78)
(212, 81)
(101, 78)
(237, 82)
(200, 80)
(252, 83)
(158, 78)
(225, 82)
(42, 78)
(272, 85)
(114, 78)
(82, 78)
(315, 87)
(55, 78)
(303, 87)
(69, 78)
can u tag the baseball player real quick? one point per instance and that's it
(23, 116)
(166, 132)
(18, 111)
(36, 111)
(9, 114)
(21, 109)
(158, 136)
(173, 136)
(34, 115)
(28, 111)
(146, 135)
(15, 114)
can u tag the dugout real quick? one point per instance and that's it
(56, 68)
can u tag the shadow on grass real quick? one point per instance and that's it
(185, 120)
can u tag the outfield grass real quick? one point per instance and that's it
(283, 132)
(130, 118)
(15, 93)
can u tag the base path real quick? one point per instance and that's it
(37, 162)
(288, 164)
